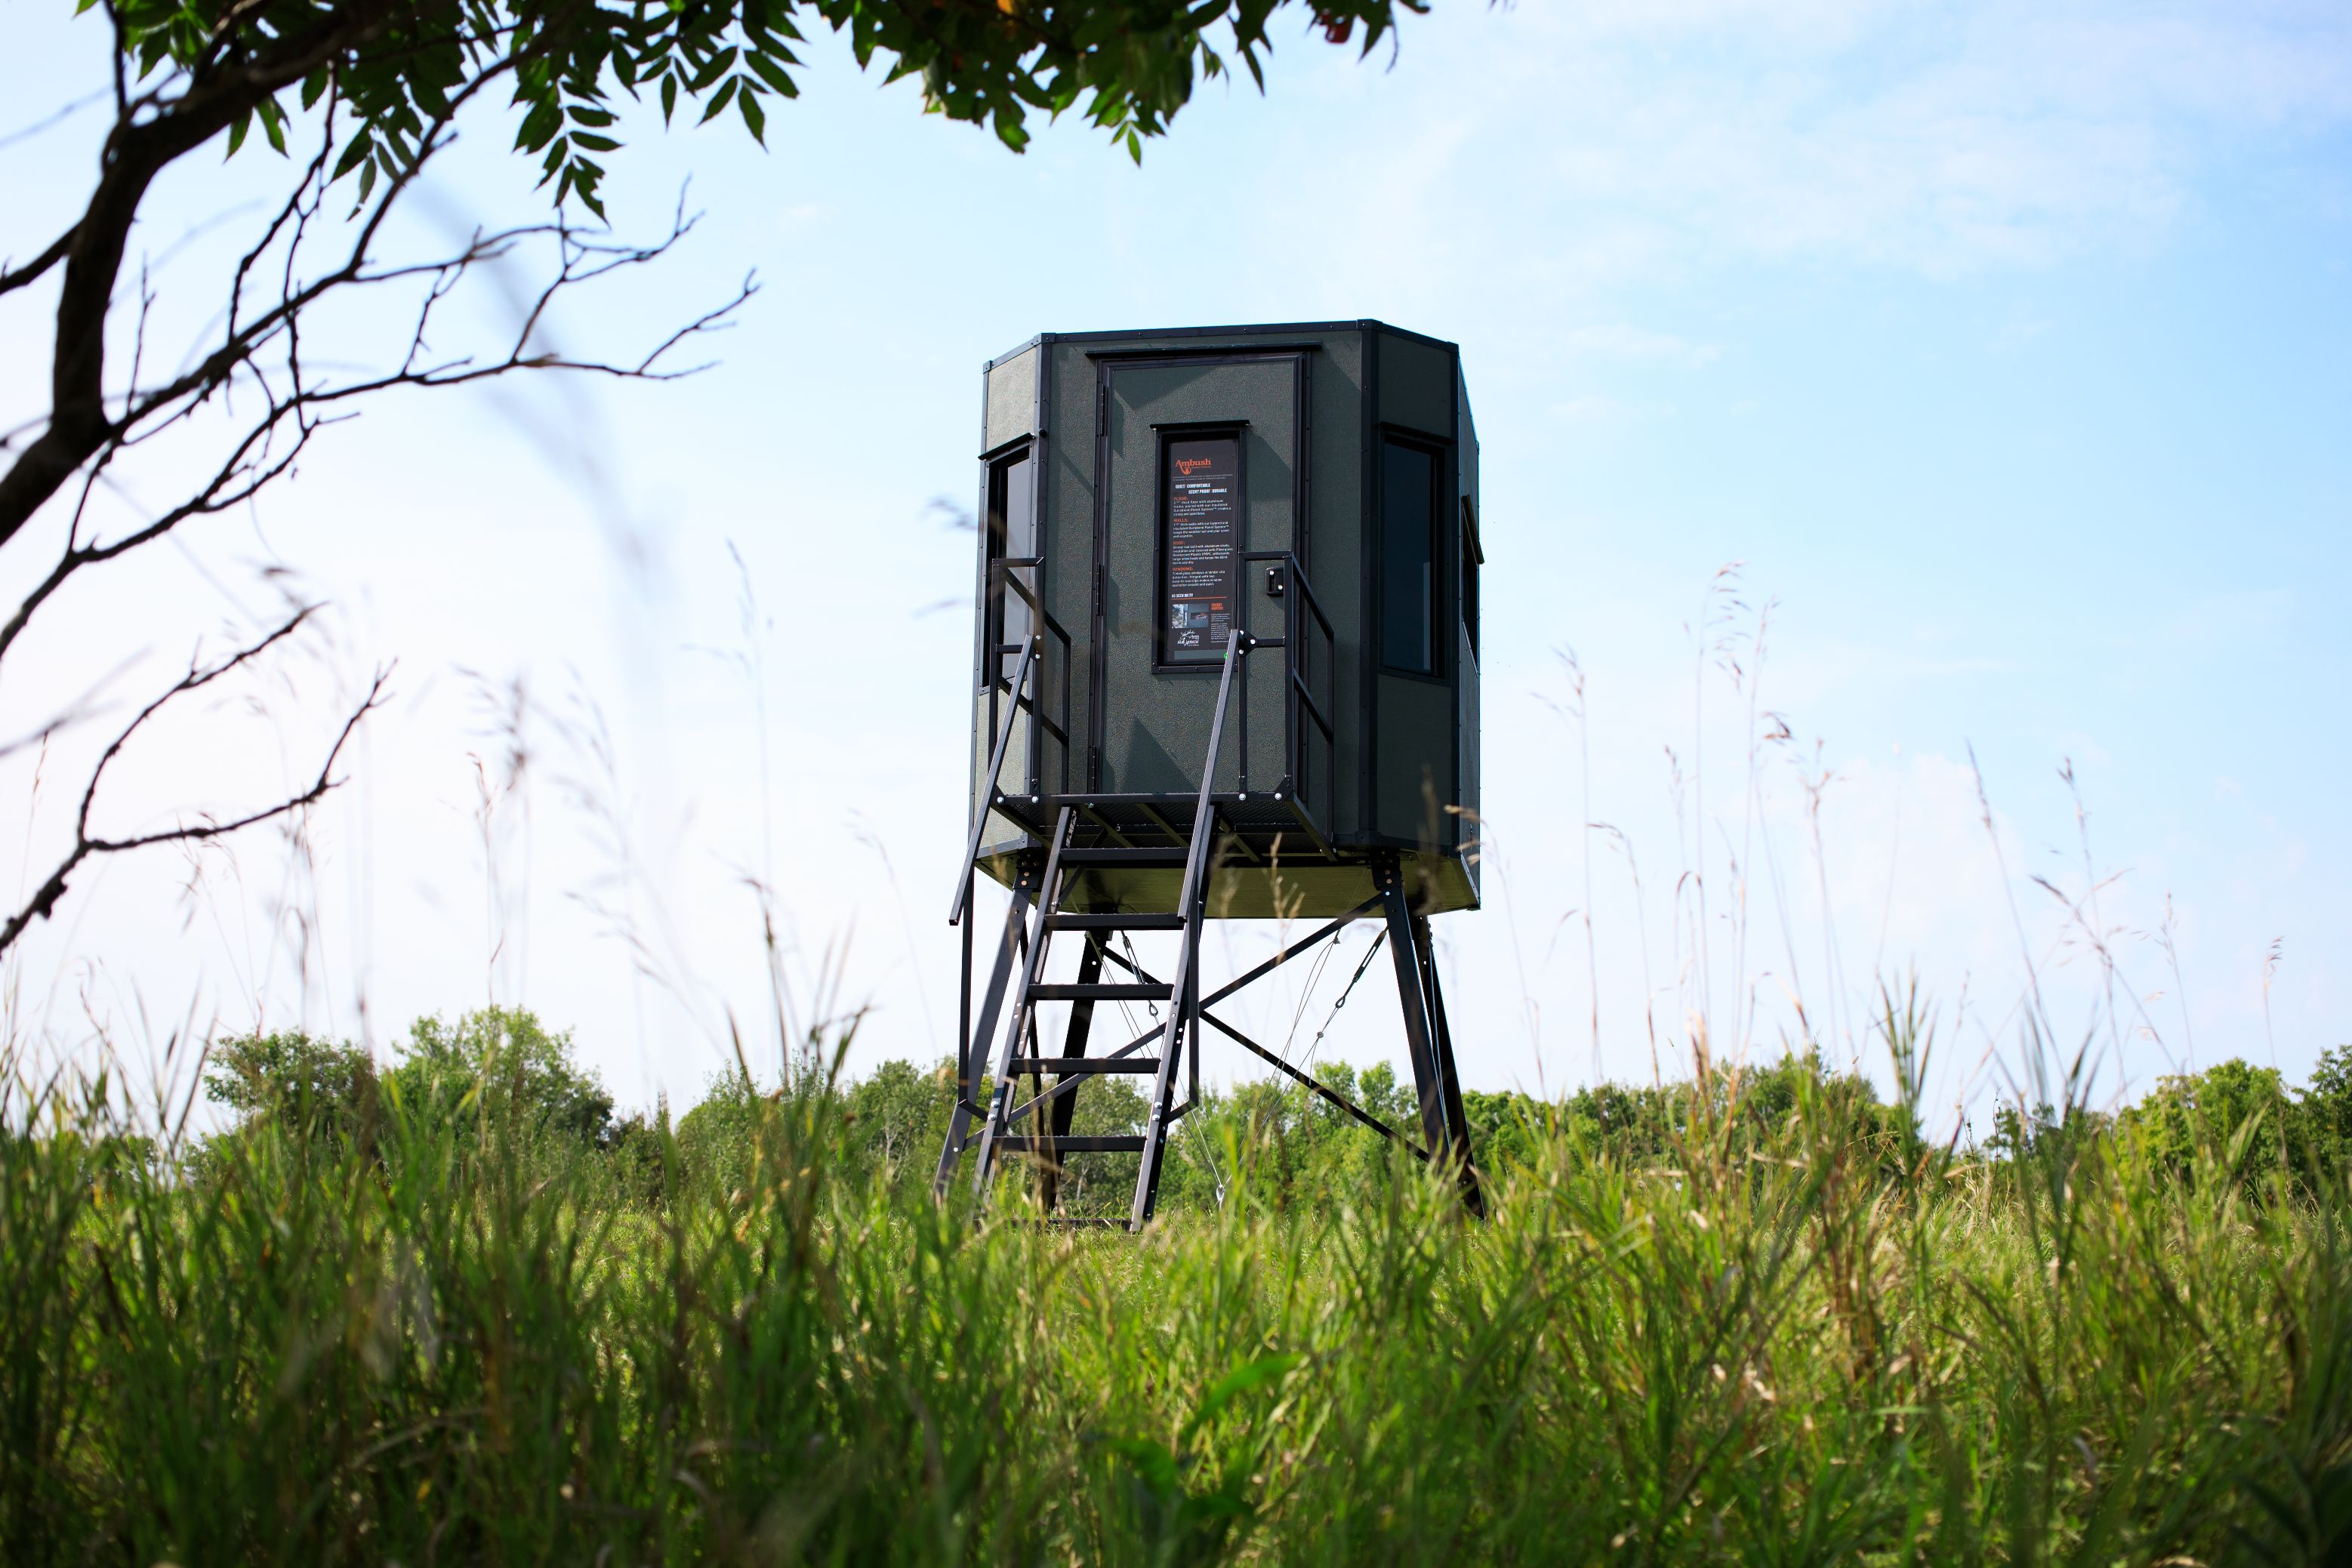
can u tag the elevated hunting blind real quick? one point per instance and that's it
(1225, 666)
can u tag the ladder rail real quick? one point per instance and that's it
(1024, 1005)
(1189, 905)
(969, 1049)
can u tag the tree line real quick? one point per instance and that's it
(501, 1070)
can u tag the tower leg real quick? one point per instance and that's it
(1457, 1121)
(969, 1061)
(1429, 1089)
(1073, 1043)
(1427, 1039)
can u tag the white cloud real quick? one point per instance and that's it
(1934, 138)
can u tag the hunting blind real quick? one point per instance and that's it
(1225, 666)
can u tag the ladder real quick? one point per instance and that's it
(1038, 914)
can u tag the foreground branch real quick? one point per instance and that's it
(294, 404)
(86, 844)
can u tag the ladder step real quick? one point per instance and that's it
(1161, 855)
(1105, 992)
(1114, 923)
(1070, 1066)
(1111, 1145)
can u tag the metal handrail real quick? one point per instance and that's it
(1196, 861)
(988, 792)
(1000, 571)
(1308, 693)
(1299, 694)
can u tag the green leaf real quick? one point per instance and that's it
(670, 97)
(273, 122)
(585, 177)
(237, 133)
(314, 87)
(538, 127)
(718, 101)
(753, 115)
(774, 75)
(354, 156)
(429, 93)
(712, 72)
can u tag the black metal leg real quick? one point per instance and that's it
(968, 1049)
(1449, 1077)
(1410, 1000)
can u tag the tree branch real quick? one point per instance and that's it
(256, 459)
(12, 281)
(85, 846)
(220, 92)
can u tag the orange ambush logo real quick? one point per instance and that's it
(1187, 466)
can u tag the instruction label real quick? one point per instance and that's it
(1202, 510)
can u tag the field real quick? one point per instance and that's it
(460, 1315)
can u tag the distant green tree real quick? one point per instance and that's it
(2232, 1122)
(2243, 1122)
(1506, 1128)
(887, 1126)
(896, 1119)
(2327, 1107)
(715, 1137)
(502, 1062)
(327, 1085)
(640, 1150)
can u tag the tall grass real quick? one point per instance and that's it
(1808, 1337)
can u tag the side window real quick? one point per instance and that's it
(1011, 536)
(1470, 563)
(1409, 558)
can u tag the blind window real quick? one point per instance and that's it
(1409, 558)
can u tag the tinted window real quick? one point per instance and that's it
(1409, 558)
(1470, 576)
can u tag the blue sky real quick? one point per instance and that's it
(2008, 347)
